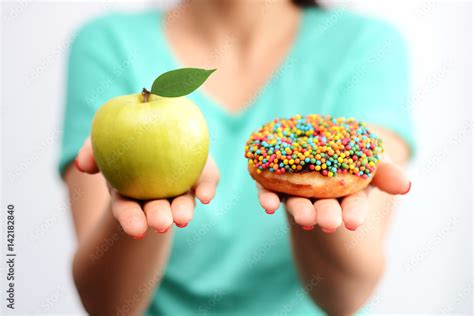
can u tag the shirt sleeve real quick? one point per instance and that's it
(95, 73)
(375, 85)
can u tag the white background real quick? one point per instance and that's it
(429, 246)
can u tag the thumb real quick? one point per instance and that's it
(205, 187)
(85, 161)
(391, 178)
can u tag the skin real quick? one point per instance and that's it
(329, 238)
(339, 241)
(103, 219)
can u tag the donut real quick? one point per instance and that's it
(313, 156)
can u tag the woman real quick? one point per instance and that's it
(274, 59)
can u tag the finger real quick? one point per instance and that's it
(391, 178)
(158, 215)
(302, 211)
(329, 214)
(268, 199)
(182, 209)
(130, 216)
(354, 209)
(205, 188)
(85, 161)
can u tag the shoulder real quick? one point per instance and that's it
(343, 32)
(337, 41)
(113, 27)
(343, 24)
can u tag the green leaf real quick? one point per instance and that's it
(179, 82)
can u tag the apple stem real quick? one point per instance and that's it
(145, 94)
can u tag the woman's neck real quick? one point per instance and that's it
(247, 40)
(242, 20)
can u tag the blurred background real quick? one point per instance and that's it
(429, 245)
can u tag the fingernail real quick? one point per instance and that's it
(408, 190)
(351, 228)
(139, 237)
(307, 227)
(269, 212)
(181, 225)
(205, 202)
(328, 231)
(162, 231)
(76, 164)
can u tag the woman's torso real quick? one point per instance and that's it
(233, 258)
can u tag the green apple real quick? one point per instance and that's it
(148, 146)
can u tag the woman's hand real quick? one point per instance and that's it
(135, 217)
(329, 214)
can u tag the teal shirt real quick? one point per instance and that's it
(233, 258)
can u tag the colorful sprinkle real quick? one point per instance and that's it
(315, 143)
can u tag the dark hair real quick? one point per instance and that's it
(306, 3)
